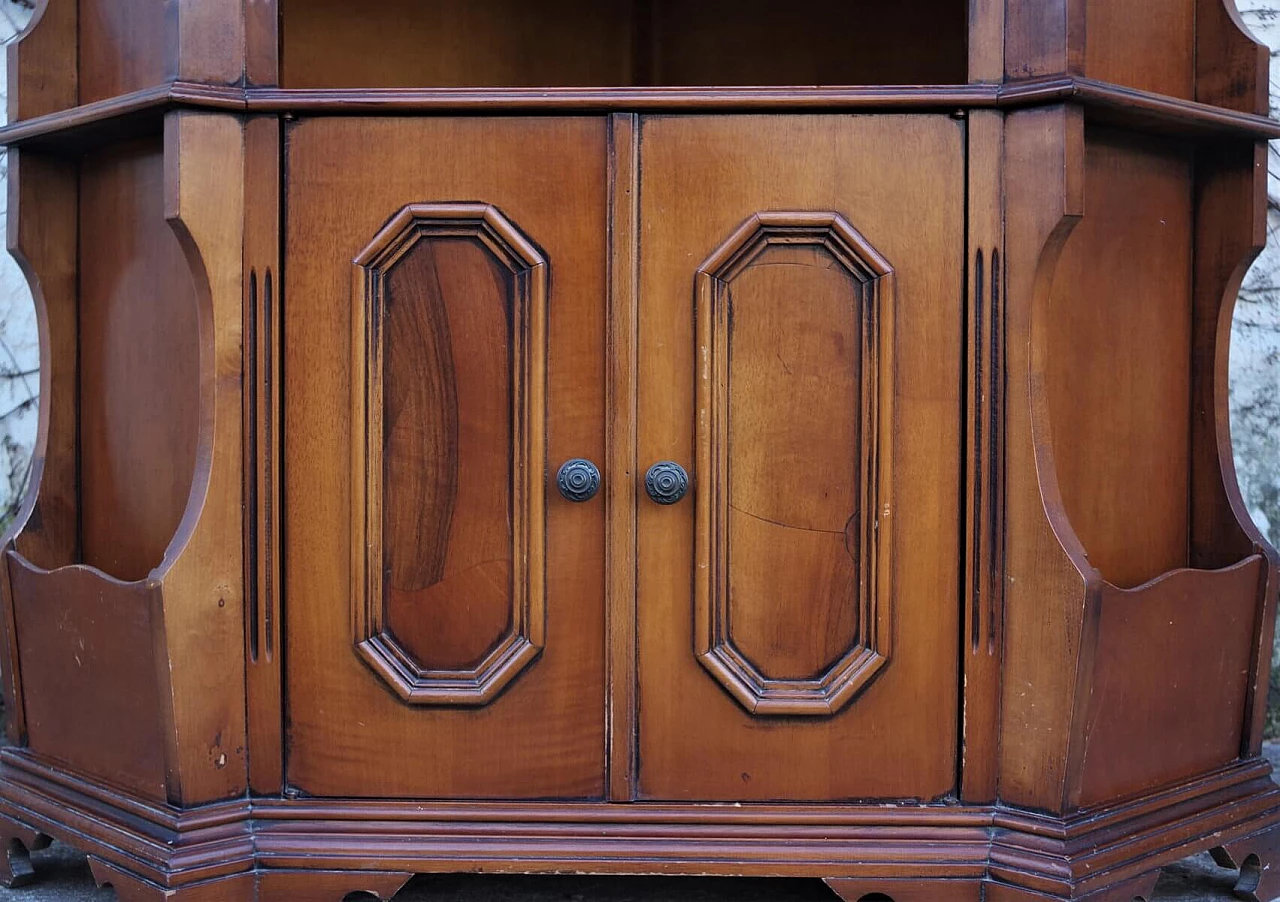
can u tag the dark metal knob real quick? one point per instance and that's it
(666, 482)
(578, 480)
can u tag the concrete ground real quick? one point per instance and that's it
(63, 876)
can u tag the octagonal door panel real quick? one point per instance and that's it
(801, 283)
(444, 353)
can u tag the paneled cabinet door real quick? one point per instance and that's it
(801, 323)
(443, 356)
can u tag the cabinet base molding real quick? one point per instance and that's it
(256, 886)
(269, 849)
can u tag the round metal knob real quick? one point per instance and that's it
(666, 482)
(578, 480)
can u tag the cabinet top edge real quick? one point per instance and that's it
(1103, 101)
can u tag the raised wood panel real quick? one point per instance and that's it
(543, 736)
(1117, 334)
(789, 322)
(450, 320)
(139, 364)
(701, 178)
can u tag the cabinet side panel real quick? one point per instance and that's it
(43, 214)
(139, 364)
(1141, 46)
(1117, 359)
(122, 46)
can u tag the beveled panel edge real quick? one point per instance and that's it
(844, 679)
(1148, 111)
(523, 643)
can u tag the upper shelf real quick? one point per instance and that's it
(96, 60)
(620, 43)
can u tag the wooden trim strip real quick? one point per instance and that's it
(625, 99)
(984, 479)
(1140, 109)
(620, 467)
(90, 114)
(158, 99)
(262, 464)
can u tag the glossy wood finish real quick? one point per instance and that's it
(263, 454)
(982, 623)
(105, 28)
(1183, 52)
(622, 471)
(176, 731)
(1123, 474)
(793, 312)
(963, 600)
(139, 365)
(91, 51)
(95, 646)
(544, 737)
(43, 215)
(448, 559)
(742, 169)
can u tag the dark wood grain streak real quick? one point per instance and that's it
(420, 420)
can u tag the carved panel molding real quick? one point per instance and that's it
(791, 602)
(449, 411)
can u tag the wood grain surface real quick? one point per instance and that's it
(544, 737)
(701, 178)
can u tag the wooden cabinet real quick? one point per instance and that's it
(637, 437)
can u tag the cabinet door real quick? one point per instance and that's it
(801, 328)
(444, 617)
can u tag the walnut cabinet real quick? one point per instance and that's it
(637, 436)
